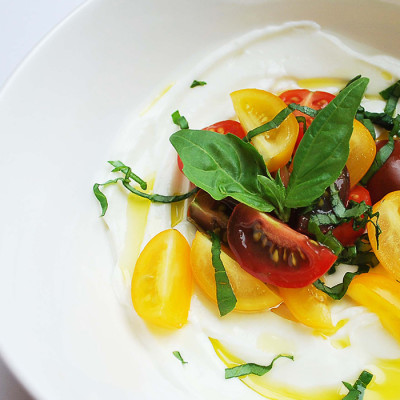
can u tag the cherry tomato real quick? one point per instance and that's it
(388, 252)
(387, 178)
(381, 295)
(345, 232)
(309, 306)
(273, 252)
(256, 107)
(316, 100)
(251, 293)
(222, 127)
(362, 152)
(162, 280)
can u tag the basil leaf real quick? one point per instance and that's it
(179, 120)
(356, 391)
(222, 165)
(252, 368)
(100, 196)
(177, 354)
(324, 149)
(226, 299)
(327, 240)
(197, 83)
(382, 119)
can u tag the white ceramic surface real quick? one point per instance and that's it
(62, 331)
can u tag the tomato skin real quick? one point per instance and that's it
(345, 232)
(162, 280)
(223, 127)
(304, 97)
(273, 252)
(388, 252)
(387, 178)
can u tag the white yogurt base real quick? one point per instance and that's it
(273, 59)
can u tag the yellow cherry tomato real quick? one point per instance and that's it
(362, 152)
(251, 293)
(162, 281)
(388, 252)
(309, 306)
(256, 107)
(377, 292)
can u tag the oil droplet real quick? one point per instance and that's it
(157, 98)
(177, 212)
(387, 75)
(136, 214)
(322, 82)
(271, 390)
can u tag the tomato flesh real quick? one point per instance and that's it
(273, 252)
(223, 128)
(345, 232)
(387, 178)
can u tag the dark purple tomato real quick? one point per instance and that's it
(387, 179)
(273, 252)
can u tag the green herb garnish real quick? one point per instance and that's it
(252, 368)
(226, 299)
(391, 95)
(177, 354)
(356, 391)
(179, 120)
(155, 198)
(197, 83)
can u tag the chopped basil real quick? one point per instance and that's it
(356, 391)
(197, 83)
(391, 95)
(252, 368)
(179, 120)
(155, 198)
(177, 354)
(328, 239)
(226, 299)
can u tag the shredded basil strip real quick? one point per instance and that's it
(177, 354)
(327, 240)
(252, 368)
(226, 299)
(179, 120)
(155, 198)
(356, 391)
(197, 83)
(278, 119)
(382, 119)
(391, 95)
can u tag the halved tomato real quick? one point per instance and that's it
(223, 128)
(162, 280)
(273, 252)
(256, 107)
(388, 251)
(251, 293)
(310, 306)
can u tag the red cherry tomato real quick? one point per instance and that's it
(387, 179)
(222, 127)
(273, 252)
(305, 97)
(345, 232)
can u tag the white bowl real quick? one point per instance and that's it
(63, 332)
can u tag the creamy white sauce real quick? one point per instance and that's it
(274, 59)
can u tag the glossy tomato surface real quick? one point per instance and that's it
(273, 252)
(223, 127)
(345, 232)
(304, 97)
(387, 179)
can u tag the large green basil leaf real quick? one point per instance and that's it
(222, 165)
(323, 152)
